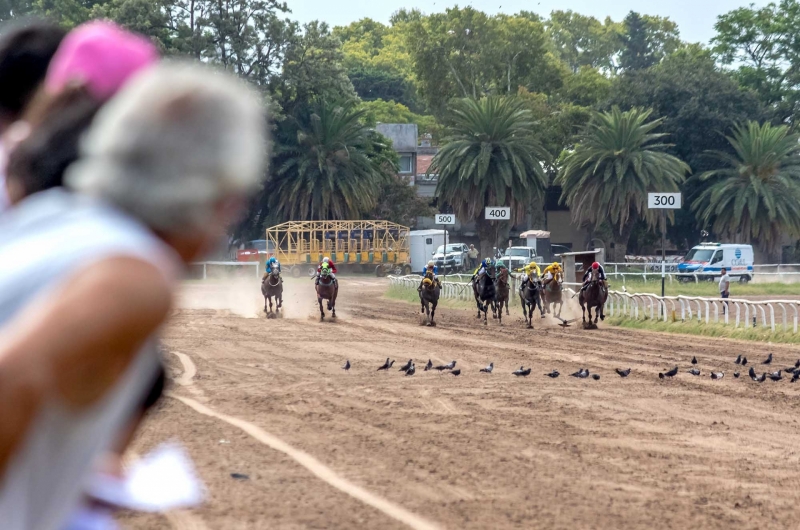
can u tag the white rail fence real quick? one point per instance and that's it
(205, 265)
(651, 271)
(773, 314)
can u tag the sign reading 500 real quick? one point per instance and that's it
(497, 213)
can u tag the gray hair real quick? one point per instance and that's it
(174, 142)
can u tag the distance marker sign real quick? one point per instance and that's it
(498, 213)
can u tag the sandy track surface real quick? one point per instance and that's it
(475, 451)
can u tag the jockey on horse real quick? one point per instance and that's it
(601, 276)
(532, 273)
(331, 266)
(485, 264)
(552, 272)
(431, 272)
(272, 264)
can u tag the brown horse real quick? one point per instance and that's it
(594, 295)
(328, 289)
(553, 294)
(502, 293)
(429, 298)
(272, 286)
(484, 292)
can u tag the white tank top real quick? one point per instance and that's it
(47, 239)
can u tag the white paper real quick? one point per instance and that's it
(163, 480)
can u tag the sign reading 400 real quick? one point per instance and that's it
(498, 213)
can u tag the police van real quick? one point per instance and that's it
(705, 261)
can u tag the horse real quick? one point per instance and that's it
(530, 297)
(594, 295)
(502, 290)
(327, 288)
(429, 298)
(553, 295)
(485, 294)
(272, 286)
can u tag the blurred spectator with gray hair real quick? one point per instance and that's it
(87, 278)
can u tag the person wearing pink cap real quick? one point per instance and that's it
(92, 63)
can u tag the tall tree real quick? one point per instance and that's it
(754, 195)
(490, 158)
(646, 40)
(617, 161)
(699, 104)
(763, 45)
(334, 169)
(582, 40)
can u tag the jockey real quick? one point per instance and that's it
(331, 266)
(532, 273)
(433, 270)
(552, 271)
(601, 275)
(485, 264)
(272, 264)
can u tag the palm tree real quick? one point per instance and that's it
(617, 160)
(755, 195)
(490, 158)
(334, 169)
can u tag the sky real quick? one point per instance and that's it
(695, 18)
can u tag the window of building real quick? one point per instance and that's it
(405, 164)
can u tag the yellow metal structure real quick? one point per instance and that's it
(345, 242)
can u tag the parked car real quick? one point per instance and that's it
(707, 259)
(256, 250)
(515, 258)
(454, 260)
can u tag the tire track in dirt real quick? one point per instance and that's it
(184, 521)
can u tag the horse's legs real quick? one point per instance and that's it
(583, 308)
(265, 303)
(333, 300)
(321, 311)
(279, 299)
(269, 299)
(433, 312)
(597, 311)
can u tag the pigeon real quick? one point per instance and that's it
(583, 373)
(596, 377)
(390, 365)
(411, 370)
(795, 377)
(623, 373)
(456, 372)
(717, 375)
(744, 361)
(753, 376)
(553, 374)
(762, 378)
(752, 373)
(738, 360)
(406, 366)
(694, 360)
(521, 372)
(776, 376)
(448, 366)
(428, 366)
(797, 364)
(694, 371)
(488, 369)
(661, 376)
(672, 373)
(736, 375)
(789, 370)
(385, 366)
(769, 359)
(346, 366)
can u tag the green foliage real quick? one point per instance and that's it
(465, 53)
(617, 161)
(582, 40)
(762, 44)
(646, 40)
(398, 202)
(490, 157)
(334, 168)
(755, 193)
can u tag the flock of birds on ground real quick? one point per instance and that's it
(410, 369)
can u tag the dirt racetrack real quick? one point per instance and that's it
(476, 451)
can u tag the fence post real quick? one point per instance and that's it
(204, 271)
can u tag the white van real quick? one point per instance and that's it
(707, 259)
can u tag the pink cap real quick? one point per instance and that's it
(102, 56)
